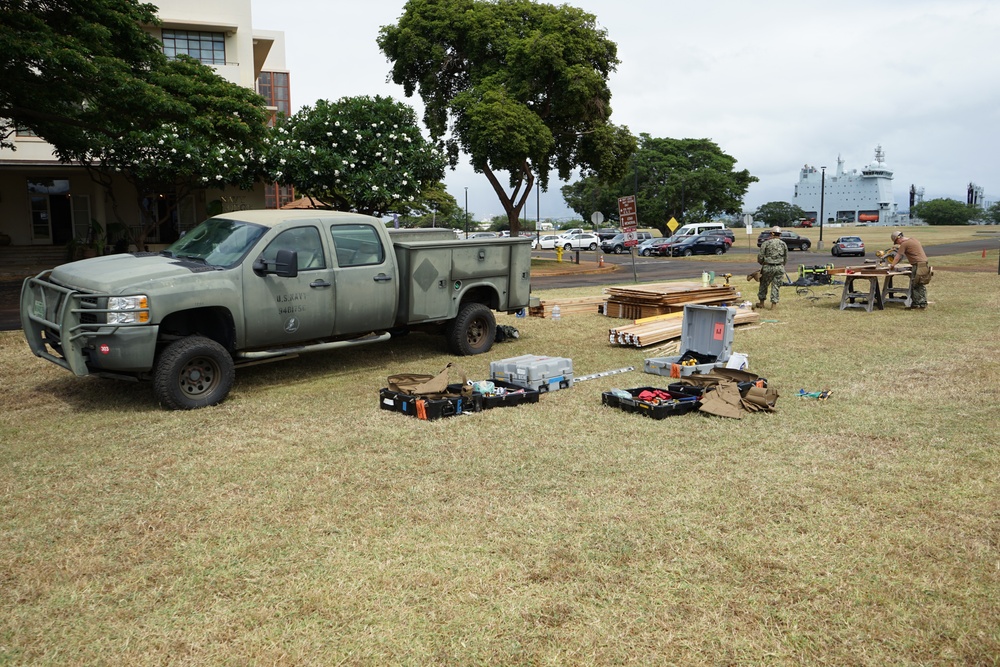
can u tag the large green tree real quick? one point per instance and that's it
(69, 66)
(943, 212)
(691, 180)
(519, 86)
(358, 153)
(778, 213)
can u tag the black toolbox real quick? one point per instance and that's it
(430, 408)
(511, 396)
(677, 404)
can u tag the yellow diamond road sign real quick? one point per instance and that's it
(673, 224)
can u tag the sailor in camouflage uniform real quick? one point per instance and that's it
(772, 257)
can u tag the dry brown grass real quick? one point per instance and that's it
(299, 524)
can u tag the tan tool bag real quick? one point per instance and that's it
(429, 386)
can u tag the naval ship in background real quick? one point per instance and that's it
(850, 197)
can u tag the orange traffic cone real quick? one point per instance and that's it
(600, 261)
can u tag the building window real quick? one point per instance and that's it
(276, 196)
(274, 88)
(206, 47)
(25, 132)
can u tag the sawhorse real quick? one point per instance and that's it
(893, 294)
(851, 298)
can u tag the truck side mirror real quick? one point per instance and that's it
(286, 265)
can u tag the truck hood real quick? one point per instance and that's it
(115, 273)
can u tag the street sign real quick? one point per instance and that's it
(672, 225)
(597, 217)
(631, 239)
(626, 214)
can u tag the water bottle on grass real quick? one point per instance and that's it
(556, 314)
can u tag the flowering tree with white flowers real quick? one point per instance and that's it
(365, 154)
(200, 131)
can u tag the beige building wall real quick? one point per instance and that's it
(248, 51)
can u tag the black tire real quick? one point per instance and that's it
(688, 253)
(862, 255)
(592, 246)
(804, 247)
(719, 251)
(833, 251)
(473, 331)
(619, 249)
(645, 252)
(568, 247)
(193, 372)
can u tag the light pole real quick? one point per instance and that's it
(466, 211)
(822, 202)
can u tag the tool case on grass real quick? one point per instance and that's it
(425, 407)
(656, 406)
(429, 396)
(534, 372)
(504, 394)
(706, 342)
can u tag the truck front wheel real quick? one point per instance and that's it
(193, 372)
(473, 330)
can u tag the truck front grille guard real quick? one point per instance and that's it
(62, 319)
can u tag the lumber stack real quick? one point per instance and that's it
(569, 306)
(642, 301)
(653, 330)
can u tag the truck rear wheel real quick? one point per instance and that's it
(193, 372)
(473, 331)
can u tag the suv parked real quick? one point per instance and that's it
(791, 239)
(616, 244)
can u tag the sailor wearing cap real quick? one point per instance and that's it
(920, 273)
(772, 256)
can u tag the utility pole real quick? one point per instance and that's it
(466, 211)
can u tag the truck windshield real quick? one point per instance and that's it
(217, 241)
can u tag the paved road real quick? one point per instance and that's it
(739, 261)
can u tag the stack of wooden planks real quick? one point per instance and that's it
(569, 306)
(652, 330)
(642, 301)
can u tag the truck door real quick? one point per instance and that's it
(365, 281)
(281, 310)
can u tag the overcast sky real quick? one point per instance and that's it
(775, 83)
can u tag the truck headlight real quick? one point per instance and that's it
(128, 309)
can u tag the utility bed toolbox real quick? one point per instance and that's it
(676, 404)
(706, 340)
(534, 372)
(429, 408)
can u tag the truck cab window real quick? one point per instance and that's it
(303, 240)
(357, 245)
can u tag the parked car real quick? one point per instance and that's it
(547, 242)
(584, 241)
(607, 233)
(791, 239)
(701, 244)
(848, 245)
(616, 244)
(727, 234)
(648, 247)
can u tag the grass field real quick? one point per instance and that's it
(299, 524)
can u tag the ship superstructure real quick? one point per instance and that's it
(849, 196)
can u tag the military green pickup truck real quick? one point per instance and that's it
(249, 286)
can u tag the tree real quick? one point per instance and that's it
(517, 85)
(992, 214)
(71, 66)
(689, 179)
(943, 212)
(200, 131)
(359, 153)
(778, 213)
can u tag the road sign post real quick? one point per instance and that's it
(628, 218)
